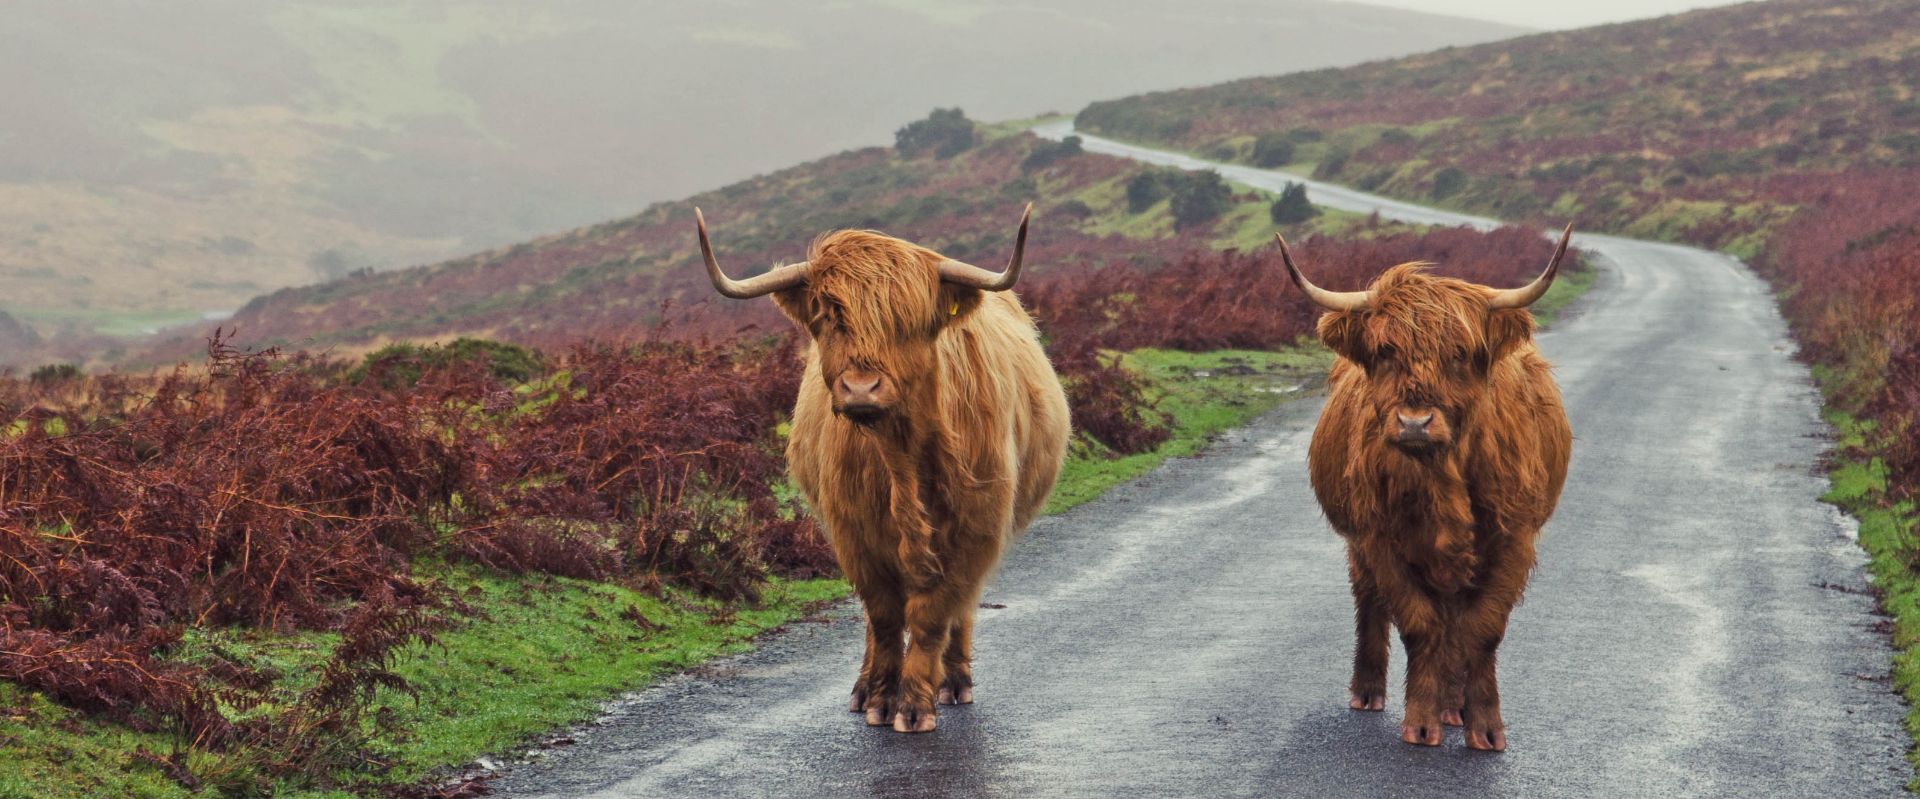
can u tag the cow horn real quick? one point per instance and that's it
(964, 274)
(1532, 292)
(1330, 300)
(777, 278)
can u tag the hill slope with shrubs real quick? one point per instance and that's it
(961, 195)
(1784, 132)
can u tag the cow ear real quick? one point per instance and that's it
(958, 301)
(1341, 332)
(1507, 330)
(795, 304)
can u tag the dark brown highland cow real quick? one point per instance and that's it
(928, 431)
(1440, 453)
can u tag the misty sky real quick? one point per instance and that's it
(1554, 15)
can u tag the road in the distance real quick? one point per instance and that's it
(1698, 625)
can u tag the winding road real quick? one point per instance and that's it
(1699, 624)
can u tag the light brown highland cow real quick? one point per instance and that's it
(928, 432)
(1440, 454)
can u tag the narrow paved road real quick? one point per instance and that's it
(1698, 625)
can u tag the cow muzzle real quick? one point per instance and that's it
(1418, 430)
(863, 397)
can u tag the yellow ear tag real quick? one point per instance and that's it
(955, 310)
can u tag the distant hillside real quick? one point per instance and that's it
(1787, 132)
(181, 157)
(622, 276)
(1676, 127)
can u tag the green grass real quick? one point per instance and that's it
(1887, 530)
(118, 323)
(540, 653)
(1202, 394)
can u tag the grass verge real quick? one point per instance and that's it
(1887, 529)
(1201, 394)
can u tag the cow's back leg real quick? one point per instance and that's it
(956, 688)
(864, 684)
(1371, 619)
(877, 690)
(1454, 699)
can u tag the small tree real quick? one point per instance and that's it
(54, 373)
(1145, 189)
(1292, 207)
(1272, 149)
(1448, 182)
(1200, 198)
(946, 133)
(1047, 153)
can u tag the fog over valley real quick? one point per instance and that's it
(159, 161)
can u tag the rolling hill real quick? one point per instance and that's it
(1784, 132)
(620, 277)
(158, 161)
(1680, 127)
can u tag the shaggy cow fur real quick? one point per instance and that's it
(1440, 535)
(919, 502)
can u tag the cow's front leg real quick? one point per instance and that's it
(1371, 618)
(1483, 626)
(930, 617)
(1428, 664)
(877, 690)
(1423, 631)
(957, 686)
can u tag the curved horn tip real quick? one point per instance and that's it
(1330, 300)
(1286, 257)
(1532, 292)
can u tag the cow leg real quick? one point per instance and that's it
(930, 619)
(1454, 687)
(862, 684)
(878, 690)
(1454, 699)
(1368, 691)
(1428, 662)
(1482, 627)
(957, 687)
(1423, 631)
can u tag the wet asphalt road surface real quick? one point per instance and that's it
(1698, 625)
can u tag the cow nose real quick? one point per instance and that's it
(858, 389)
(1414, 426)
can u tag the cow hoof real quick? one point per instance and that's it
(1451, 718)
(858, 702)
(1367, 701)
(1487, 740)
(879, 712)
(955, 695)
(1420, 735)
(914, 721)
